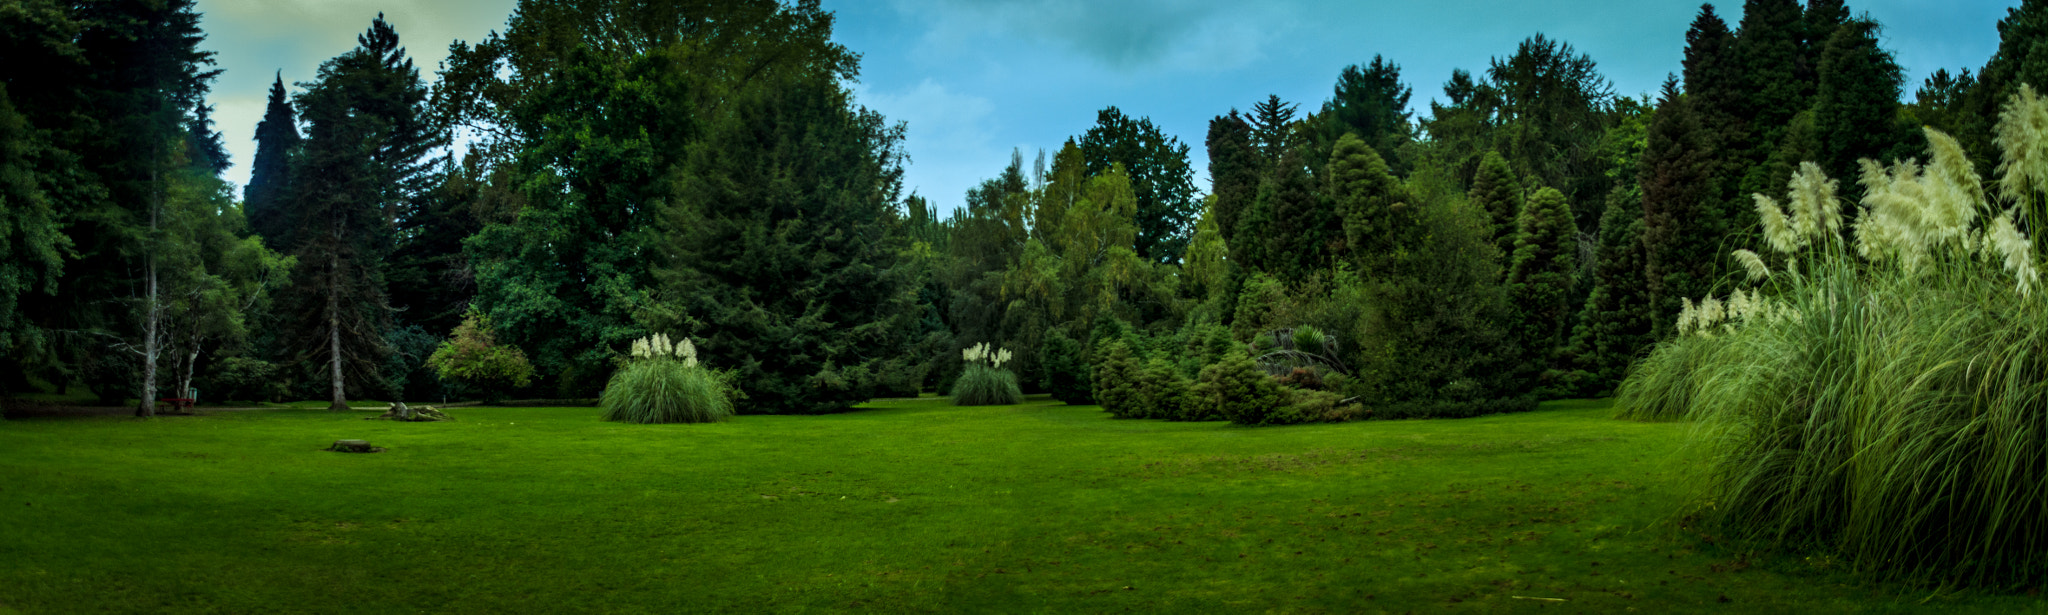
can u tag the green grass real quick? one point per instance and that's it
(916, 505)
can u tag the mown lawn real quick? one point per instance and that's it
(908, 506)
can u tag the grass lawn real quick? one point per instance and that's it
(912, 505)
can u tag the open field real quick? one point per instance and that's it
(913, 505)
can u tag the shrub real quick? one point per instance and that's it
(1886, 405)
(1166, 394)
(985, 382)
(663, 383)
(473, 355)
(1116, 378)
(244, 379)
(1064, 369)
(1236, 390)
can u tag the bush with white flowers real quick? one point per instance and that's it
(985, 382)
(662, 382)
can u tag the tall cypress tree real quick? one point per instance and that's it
(1304, 228)
(1614, 324)
(1767, 47)
(277, 136)
(1856, 110)
(1495, 191)
(1234, 169)
(1541, 277)
(1713, 73)
(1682, 223)
(1374, 207)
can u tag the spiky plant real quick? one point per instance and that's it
(1886, 400)
(985, 382)
(662, 382)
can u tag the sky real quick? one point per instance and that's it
(975, 80)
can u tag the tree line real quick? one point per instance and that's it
(705, 173)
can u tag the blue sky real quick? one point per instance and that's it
(975, 79)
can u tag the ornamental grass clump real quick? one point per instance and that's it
(662, 382)
(1885, 401)
(985, 382)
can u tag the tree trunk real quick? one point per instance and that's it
(153, 311)
(334, 330)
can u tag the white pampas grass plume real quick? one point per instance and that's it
(1813, 198)
(640, 350)
(1753, 264)
(2006, 239)
(1687, 316)
(688, 350)
(1777, 231)
(1712, 312)
(2022, 126)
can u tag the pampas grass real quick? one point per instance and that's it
(985, 382)
(664, 383)
(1891, 409)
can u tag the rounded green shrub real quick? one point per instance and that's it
(665, 384)
(1238, 391)
(1118, 383)
(981, 385)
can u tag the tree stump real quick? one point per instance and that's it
(401, 412)
(354, 446)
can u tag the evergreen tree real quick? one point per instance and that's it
(1160, 176)
(1371, 102)
(1816, 25)
(277, 136)
(2021, 58)
(1272, 122)
(1234, 170)
(367, 155)
(1495, 191)
(1552, 112)
(1304, 228)
(1372, 205)
(1682, 224)
(1768, 49)
(32, 244)
(1614, 324)
(1713, 74)
(1541, 277)
(1856, 109)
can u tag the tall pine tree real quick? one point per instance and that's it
(277, 136)
(1540, 279)
(1682, 224)
(1856, 110)
(1495, 191)
(1614, 324)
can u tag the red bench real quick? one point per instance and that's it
(179, 404)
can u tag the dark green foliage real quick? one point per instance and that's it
(1119, 386)
(32, 245)
(1169, 395)
(1495, 191)
(1371, 102)
(1305, 235)
(1682, 225)
(981, 385)
(1238, 391)
(367, 157)
(1856, 109)
(1768, 49)
(1272, 124)
(1064, 369)
(1261, 306)
(1552, 110)
(473, 355)
(1372, 203)
(1160, 177)
(1234, 169)
(1614, 324)
(1435, 327)
(265, 199)
(2021, 59)
(242, 379)
(664, 390)
(1541, 278)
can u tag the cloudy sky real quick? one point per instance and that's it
(975, 79)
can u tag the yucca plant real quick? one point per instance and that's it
(1890, 404)
(985, 382)
(663, 383)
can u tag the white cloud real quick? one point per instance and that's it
(1128, 35)
(949, 135)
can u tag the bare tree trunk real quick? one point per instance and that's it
(154, 310)
(334, 329)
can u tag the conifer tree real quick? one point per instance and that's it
(1303, 225)
(2021, 58)
(1495, 191)
(1713, 73)
(1541, 278)
(277, 136)
(1373, 205)
(1768, 48)
(1234, 170)
(1614, 324)
(1272, 122)
(1371, 102)
(1856, 108)
(363, 165)
(1682, 224)
(1157, 165)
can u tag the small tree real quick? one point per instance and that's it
(472, 355)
